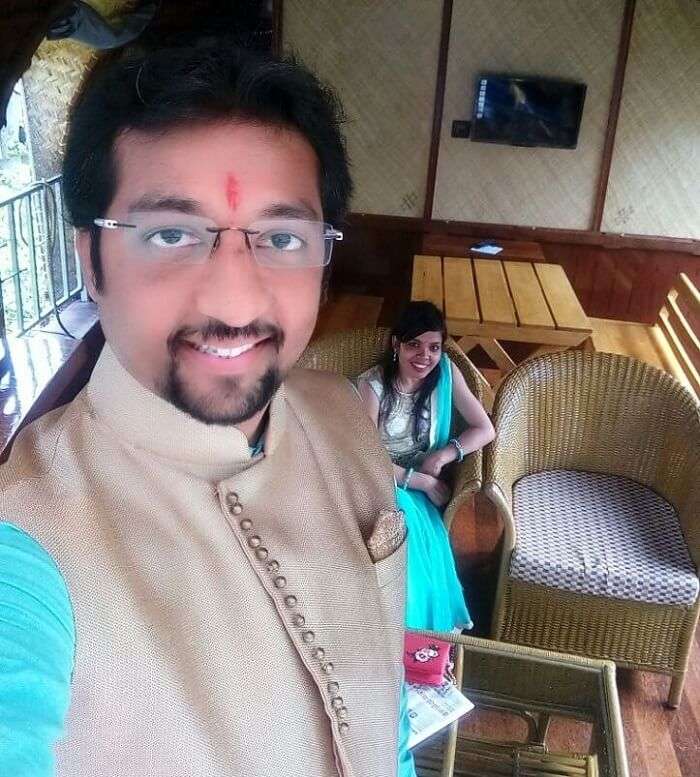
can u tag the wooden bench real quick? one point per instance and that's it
(487, 300)
(679, 323)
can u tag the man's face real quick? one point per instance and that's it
(214, 338)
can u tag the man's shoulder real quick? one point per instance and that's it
(320, 387)
(329, 401)
(35, 448)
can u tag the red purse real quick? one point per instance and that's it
(425, 659)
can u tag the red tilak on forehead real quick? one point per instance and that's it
(232, 193)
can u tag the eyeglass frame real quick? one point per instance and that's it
(330, 234)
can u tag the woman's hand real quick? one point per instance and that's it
(437, 491)
(434, 463)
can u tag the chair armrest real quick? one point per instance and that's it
(508, 457)
(674, 461)
(687, 504)
(466, 479)
(523, 678)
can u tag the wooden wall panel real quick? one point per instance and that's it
(628, 283)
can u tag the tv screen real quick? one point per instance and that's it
(523, 111)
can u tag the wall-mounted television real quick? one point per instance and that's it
(527, 111)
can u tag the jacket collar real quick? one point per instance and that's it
(147, 422)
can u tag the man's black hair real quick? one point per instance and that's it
(175, 87)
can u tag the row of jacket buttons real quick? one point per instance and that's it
(280, 582)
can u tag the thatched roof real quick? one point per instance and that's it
(26, 22)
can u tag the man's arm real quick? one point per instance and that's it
(37, 646)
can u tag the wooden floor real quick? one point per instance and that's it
(660, 742)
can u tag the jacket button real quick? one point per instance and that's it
(342, 711)
(319, 652)
(254, 541)
(344, 727)
(298, 620)
(333, 687)
(261, 553)
(328, 668)
(280, 582)
(273, 566)
(237, 509)
(246, 524)
(337, 703)
(290, 601)
(308, 636)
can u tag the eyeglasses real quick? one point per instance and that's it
(171, 238)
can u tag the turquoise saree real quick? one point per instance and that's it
(434, 596)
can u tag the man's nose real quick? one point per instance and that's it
(232, 288)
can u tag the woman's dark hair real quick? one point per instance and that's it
(416, 319)
(174, 87)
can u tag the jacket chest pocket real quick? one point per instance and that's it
(392, 568)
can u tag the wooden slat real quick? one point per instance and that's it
(427, 280)
(667, 327)
(460, 294)
(561, 298)
(688, 338)
(690, 300)
(530, 304)
(498, 353)
(492, 290)
(467, 342)
(519, 334)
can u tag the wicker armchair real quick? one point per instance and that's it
(536, 685)
(573, 424)
(353, 351)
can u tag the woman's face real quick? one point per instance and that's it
(419, 356)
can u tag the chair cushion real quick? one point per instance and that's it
(600, 534)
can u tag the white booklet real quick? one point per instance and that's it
(432, 708)
(486, 248)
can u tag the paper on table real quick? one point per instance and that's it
(486, 249)
(432, 708)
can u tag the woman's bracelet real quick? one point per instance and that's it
(460, 450)
(407, 479)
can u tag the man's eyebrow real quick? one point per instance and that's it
(151, 202)
(283, 210)
(158, 202)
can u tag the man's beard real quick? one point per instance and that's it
(238, 406)
(227, 403)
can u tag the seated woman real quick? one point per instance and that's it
(410, 397)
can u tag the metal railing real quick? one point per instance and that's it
(39, 271)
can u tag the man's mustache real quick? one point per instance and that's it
(218, 330)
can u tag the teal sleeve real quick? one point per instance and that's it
(37, 646)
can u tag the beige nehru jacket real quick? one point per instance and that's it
(231, 621)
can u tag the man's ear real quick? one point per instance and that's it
(83, 245)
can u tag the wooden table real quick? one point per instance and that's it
(488, 300)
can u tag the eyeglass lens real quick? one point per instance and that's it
(174, 239)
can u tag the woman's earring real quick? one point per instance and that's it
(396, 356)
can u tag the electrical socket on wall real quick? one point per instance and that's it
(461, 129)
